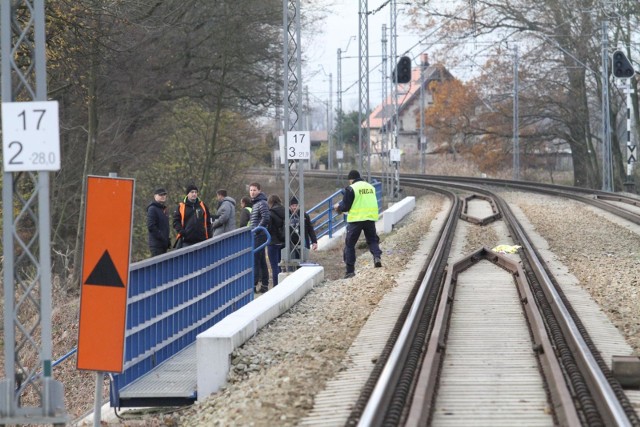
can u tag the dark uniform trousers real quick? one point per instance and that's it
(353, 234)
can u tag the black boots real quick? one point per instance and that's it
(350, 272)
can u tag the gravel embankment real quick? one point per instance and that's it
(277, 373)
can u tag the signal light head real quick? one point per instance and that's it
(622, 67)
(402, 73)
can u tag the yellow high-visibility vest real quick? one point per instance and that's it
(365, 203)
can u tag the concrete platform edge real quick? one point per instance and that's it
(215, 345)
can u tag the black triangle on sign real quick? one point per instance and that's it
(631, 159)
(105, 273)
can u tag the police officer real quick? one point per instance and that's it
(361, 204)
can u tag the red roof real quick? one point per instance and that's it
(405, 94)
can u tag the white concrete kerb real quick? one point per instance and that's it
(215, 345)
(388, 219)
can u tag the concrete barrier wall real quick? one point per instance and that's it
(395, 213)
(385, 224)
(215, 345)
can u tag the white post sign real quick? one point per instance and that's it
(30, 136)
(298, 145)
(394, 155)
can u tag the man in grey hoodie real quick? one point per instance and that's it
(226, 214)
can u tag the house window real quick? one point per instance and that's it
(401, 125)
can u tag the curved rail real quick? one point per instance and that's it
(610, 408)
(373, 413)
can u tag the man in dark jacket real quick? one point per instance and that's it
(158, 223)
(361, 203)
(310, 238)
(225, 215)
(191, 219)
(260, 216)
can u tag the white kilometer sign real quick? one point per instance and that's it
(298, 145)
(30, 136)
(395, 155)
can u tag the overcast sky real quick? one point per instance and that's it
(341, 31)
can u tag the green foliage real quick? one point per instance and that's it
(347, 124)
(180, 159)
(322, 153)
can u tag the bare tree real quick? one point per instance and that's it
(560, 50)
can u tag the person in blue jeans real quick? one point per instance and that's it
(259, 217)
(276, 229)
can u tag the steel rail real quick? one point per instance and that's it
(423, 399)
(373, 414)
(606, 399)
(608, 403)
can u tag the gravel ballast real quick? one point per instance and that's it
(276, 375)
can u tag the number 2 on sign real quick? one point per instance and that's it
(30, 136)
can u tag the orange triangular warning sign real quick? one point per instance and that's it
(105, 273)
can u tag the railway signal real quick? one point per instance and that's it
(402, 73)
(622, 67)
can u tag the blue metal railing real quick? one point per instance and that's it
(174, 297)
(326, 221)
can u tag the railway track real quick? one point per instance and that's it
(490, 338)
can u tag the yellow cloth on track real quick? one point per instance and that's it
(506, 249)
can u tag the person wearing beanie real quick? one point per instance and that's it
(361, 204)
(191, 219)
(158, 223)
(353, 175)
(310, 238)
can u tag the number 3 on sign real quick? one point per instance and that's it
(298, 145)
(30, 136)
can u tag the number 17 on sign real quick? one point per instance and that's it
(30, 136)
(298, 145)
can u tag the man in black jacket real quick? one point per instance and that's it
(191, 219)
(158, 223)
(310, 238)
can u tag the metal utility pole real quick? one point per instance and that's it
(385, 120)
(364, 141)
(340, 147)
(516, 122)
(329, 119)
(423, 138)
(607, 172)
(341, 116)
(26, 233)
(394, 97)
(330, 123)
(631, 147)
(295, 140)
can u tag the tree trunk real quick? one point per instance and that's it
(92, 136)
